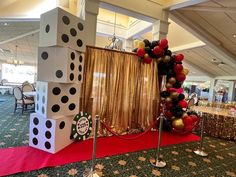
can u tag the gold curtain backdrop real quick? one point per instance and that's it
(121, 90)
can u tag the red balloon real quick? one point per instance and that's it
(163, 43)
(169, 105)
(141, 52)
(168, 114)
(187, 121)
(179, 58)
(180, 77)
(158, 50)
(194, 117)
(183, 104)
(178, 68)
(147, 60)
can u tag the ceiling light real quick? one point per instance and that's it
(234, 35)
(5, 24)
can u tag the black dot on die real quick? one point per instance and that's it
(37, 97)
(48, 134)
(48, 124)
(55, 108)
(72, 76)
(72, 55)
(80, 59)
(37, 106)
(47, 29)
(73, 32)
(43, 110)
(72, 66)
(80, 68)
(44, 55)
(62, 125)
(59, 74)
(56, 90)
(43, 99)
(65, 38)
(47, 145)
(79, 77)
(72, 91)
(80, 26)
(79, 43)
(36, 121)
(35, 131)
(35, 141)
(66, 20)
(72, 106)
(64, 99)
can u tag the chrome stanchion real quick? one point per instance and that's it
(91, 172)
(200, 151)
(159, 162)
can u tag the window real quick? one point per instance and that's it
(18, 74)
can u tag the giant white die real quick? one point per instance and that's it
(60, 28)
(50, 135)
(56, 99)
(60, 64)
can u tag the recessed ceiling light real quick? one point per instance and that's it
(234, 35)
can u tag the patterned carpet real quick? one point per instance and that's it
(180, 159)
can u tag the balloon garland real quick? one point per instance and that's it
(177, 119)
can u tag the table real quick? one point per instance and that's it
(218, 122)
(4, 89)
(30, 94)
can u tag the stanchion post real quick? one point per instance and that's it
(200, 151)
(91, 172)
(159, 162)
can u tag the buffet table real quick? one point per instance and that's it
(218, 122)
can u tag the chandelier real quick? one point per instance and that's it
(14, 61)
(116, 43)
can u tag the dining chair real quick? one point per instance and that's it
(28, 88)
(21, 100)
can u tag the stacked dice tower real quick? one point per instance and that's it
(60, 74)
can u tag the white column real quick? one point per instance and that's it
(231, 93)
(128, 45)
(88, 10)
(160, 27)
(212, 90)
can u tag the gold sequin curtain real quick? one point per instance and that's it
(120, 89)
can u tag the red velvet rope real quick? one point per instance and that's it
(121, 136)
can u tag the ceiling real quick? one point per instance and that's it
(209, 17)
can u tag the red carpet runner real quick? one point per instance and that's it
(22, 159)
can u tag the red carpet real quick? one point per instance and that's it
(22, 159)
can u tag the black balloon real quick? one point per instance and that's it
(148, 50)
(147, 43)
(168, 52)
(154, 43)
(177, 85)
(175, 101)
(178, 114)
(167, 125)
(181, 96)
(165, 94)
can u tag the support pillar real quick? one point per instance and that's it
(128, 45)
(88, 10)
(212, 90)
(231, 93)
(160, 27)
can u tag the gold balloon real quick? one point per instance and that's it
(168, 100)
(136, 43)
(174, 94)
(168, 85)
(178, 124)
(146, 55)
(141, 44)
(173, 118)
(166, 59)
(185, 71)
(172, 80)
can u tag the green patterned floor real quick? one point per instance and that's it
(180, 159)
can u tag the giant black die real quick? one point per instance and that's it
(60, 64)
(60, 28)
(50, 135)
(56, 99)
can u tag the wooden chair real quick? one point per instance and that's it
(21, 100)
(28, 88)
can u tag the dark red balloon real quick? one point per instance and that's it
(169, 105)
(141, 52)
(163, 43)
(179, 57)
(183, 104)
(180, 77)
(178, 68)
(168, 114)
(158, 50)
(147, 60)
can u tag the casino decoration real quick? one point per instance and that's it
(172, 97)
(82, 126)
